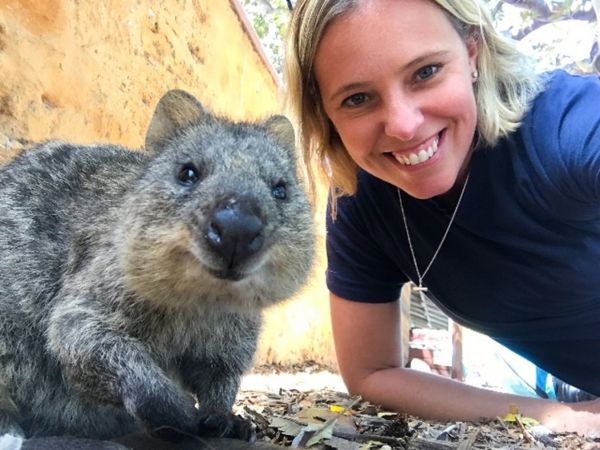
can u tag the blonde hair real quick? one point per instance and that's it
(506, 85)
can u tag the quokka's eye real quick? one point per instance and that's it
(188, 175)
(279, 191)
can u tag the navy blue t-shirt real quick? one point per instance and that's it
(521, 262)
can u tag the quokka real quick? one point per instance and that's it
(132, 283)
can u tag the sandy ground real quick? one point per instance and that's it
(302, 381)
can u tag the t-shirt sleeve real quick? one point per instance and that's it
(358, 268)
(565, 122)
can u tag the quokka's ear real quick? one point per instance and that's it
(282, 131)
(174, 111)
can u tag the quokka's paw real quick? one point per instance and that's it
(219, 424)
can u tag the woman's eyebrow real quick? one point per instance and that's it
(347, 88)
(361, 84)
(421, 58)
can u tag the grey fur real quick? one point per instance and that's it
(142, 442)
(125, 294)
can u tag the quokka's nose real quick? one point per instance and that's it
(235, 232)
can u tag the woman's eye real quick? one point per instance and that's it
(355, 100)
(427, 72)
(188, 175)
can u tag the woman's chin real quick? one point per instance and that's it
(432, 190)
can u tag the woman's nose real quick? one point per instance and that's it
(403, 117)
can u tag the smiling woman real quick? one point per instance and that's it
(393, 104)
(451, 165)
(501, 78)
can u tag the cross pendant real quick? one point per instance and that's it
(419, 288)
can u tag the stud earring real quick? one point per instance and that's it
(475, 75)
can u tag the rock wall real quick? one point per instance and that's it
(84, 72)
(93, 71)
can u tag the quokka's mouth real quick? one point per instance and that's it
(227, 274)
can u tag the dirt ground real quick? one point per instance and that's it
(287, 405)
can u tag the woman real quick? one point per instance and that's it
(453, 166)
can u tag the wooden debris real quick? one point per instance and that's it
(281, 417)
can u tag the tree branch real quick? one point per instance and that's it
(543, 14)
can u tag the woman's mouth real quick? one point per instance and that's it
(419, 156)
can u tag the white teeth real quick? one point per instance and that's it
(417, 158)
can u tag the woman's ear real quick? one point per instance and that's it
(473, 51)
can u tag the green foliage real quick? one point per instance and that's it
(269, 18)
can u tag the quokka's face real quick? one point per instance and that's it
(231, 209)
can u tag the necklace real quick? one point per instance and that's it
(420, 288)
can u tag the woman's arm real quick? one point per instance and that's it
(368, 348)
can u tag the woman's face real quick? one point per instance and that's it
(397, 83)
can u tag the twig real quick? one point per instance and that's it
(327, 426)
(257, 416)
(468, 443)
(366, 437)
(526, 434)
